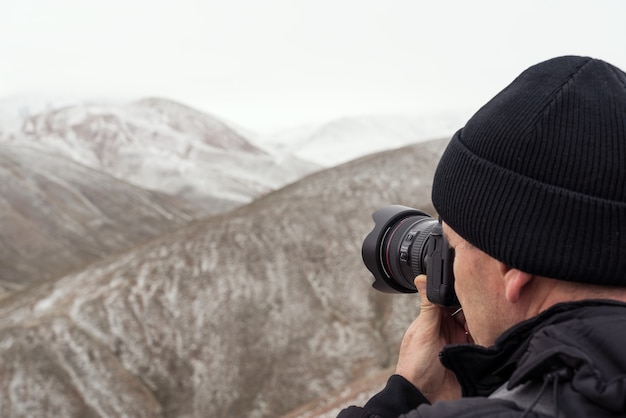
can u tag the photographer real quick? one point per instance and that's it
(532, 198)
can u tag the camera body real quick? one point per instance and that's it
(404, 243)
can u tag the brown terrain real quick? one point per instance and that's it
(58, 216)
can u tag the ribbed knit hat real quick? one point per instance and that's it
(537, 177)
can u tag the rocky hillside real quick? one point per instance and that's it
(247, 314)
(331, 404)
(58, 216)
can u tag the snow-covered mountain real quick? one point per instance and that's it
(166, 146)
(162, 145)
(338, 141)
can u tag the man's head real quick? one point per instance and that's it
(537, 177)
(532, 192)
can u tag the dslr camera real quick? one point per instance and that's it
(404, 243)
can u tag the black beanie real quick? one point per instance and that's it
(537, 177)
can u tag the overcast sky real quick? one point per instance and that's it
(265, 63)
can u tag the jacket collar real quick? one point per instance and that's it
(481, 370)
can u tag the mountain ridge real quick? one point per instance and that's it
(344, 139)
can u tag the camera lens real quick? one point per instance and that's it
(396, 248)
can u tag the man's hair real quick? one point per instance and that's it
(537, 177)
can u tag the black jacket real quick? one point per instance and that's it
(569, 361)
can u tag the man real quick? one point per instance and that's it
(532, 194)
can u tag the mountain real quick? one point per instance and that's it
(165, 146)
(249, 313)
(58, 216)
(345, 139)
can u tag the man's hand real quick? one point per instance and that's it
(419, 353)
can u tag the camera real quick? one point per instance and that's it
(404, 243)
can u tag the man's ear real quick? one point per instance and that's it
(514, 282)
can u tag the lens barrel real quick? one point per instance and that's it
(395, 250)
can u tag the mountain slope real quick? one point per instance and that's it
(58, 216)
(162, 145)
(250, 313)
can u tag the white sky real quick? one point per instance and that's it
(264, 63)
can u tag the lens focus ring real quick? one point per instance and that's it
(417, 251)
